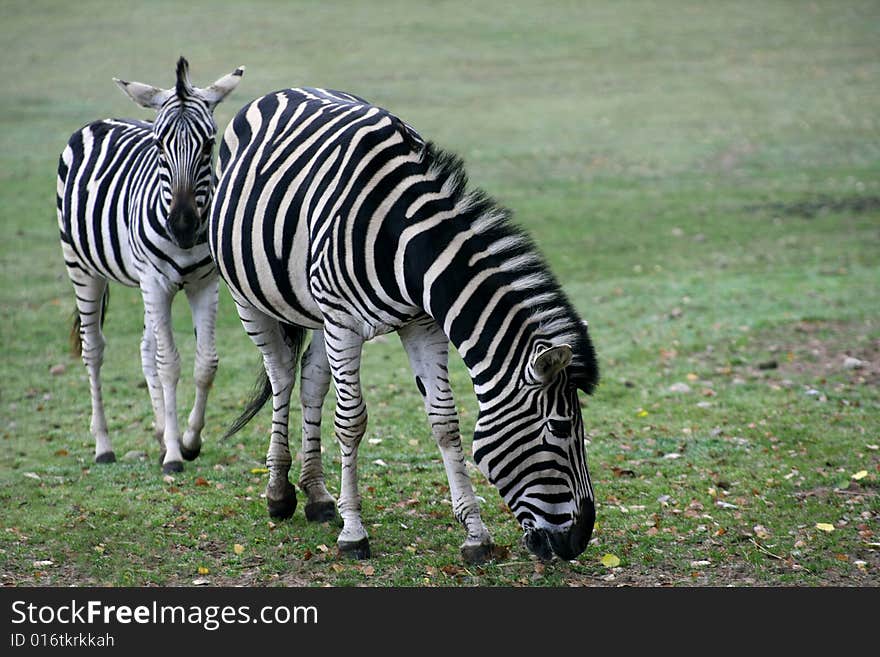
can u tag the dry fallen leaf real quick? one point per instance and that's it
(201, 481)
(610, 561)
(201, 581)
(259, 470)
(238, 548)
(323, 548)
(203, 570)
(861, 474)
(641, 413)
(337, 567)
(369, 571)
(825, 526)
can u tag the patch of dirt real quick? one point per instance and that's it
(822, 349)
(819, 205)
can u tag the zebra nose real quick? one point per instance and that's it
(570, 543)
(183, 222)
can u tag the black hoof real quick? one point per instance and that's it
(190, 454)
(283, 508)
(355, 549)
(172, 466)
(321, 511)
(106, 457)
(476, 554)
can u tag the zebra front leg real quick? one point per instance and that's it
(278, 360)
(151, 374)
(314, 384)
(90, 304)
(344, 349)
(157, 302)
(428, 350)
(203, 303)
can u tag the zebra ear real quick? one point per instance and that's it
(550, 362)
(144, 95)
(221, 88)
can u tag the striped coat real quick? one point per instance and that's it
(132, 201)
(333, 214)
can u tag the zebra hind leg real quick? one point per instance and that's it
(203, 303)
(91, 301)
(344, 348)
(428, 351)
(280, 350)
(314, 385)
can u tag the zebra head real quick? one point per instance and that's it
(183, 133)
(531, 447)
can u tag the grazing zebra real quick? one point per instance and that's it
(133, 201)
(334, 215)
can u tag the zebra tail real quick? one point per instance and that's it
(262, 392)
(75, 333)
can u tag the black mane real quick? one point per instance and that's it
(478, 206)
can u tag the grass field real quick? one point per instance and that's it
(704, 179)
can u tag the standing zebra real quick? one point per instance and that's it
(133, 201)
(333, 214)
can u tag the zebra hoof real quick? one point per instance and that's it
(190, 454)
(106, 457)
(172, 466)
(324, 511)
(478, 553)
(355, 549)
(282, 508)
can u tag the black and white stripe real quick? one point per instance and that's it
(133, 201)
(333, 214)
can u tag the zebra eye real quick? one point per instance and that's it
(560, 428)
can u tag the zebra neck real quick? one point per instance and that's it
(493, 296)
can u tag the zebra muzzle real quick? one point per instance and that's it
(184, 223)
(566, 544)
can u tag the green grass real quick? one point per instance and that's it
(703, 178)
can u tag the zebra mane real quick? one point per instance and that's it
(183, 87)
(510, 247)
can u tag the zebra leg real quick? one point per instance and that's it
(203, 303)
(314, 384)
(151, 374)
(90, 293)
(278, 359)
(344, 348)
(428, 350)
(157, 302)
